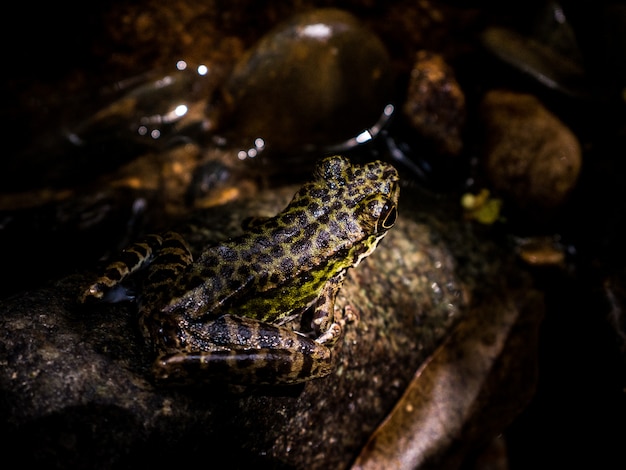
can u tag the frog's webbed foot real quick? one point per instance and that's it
(330, 337)
(245, 351)
(335, 331)
(137, 256)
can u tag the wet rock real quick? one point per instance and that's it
(317, 79)
(615, 293)
(435, 103)
(77, 392)
(549, 54)
(445, 392)
(531, 157)
(149, 112)
(542, 251)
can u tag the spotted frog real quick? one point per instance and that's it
(222, 317)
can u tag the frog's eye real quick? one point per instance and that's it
(388, 215)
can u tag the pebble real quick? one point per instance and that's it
(435, 103)
(530, 157)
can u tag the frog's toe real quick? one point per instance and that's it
(100, 291)
(350, 315)
(330, 336)
(92, 293)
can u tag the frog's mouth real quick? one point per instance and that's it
(372, 242)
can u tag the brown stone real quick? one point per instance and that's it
(531, 157)
(435, 103)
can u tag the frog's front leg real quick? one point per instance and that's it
(328, 330)
(241, 350)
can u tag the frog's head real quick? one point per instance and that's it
(365, 199)
(370, 190)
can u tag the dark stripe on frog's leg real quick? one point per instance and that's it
(245, 351)
(243, 367)
(128, 261)
(173, 258)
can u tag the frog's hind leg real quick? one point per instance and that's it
(245, 351)
(163, 247)
(169, 261)
(126, 263)
(172, 258)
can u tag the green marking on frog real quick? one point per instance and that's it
(221, 317)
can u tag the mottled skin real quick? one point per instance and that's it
(220, 317)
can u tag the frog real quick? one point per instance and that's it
(224, 316)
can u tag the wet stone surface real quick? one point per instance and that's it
(68, 369)
(323, 66)
(435, 103)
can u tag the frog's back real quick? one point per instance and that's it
(280, 265)
(274, 268)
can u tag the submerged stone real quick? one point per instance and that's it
(317, 79)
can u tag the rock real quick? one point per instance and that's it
(435, 103)
(317, 79)
(77, 392)
(531, 158)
